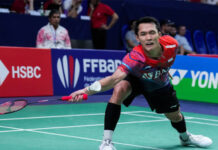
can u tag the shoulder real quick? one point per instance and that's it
(137, 54)
(105, 7)
(179, 37)
(43, 28)
(62, 28)
(128, 33)
(168, 42)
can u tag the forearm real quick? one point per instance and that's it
(113, 20)
(130, 43)
(91, 12)
(99, 86)
(31, 4)
(105, 83)
(73, 13)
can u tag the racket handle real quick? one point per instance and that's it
(66, 98)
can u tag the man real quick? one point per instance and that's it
(52, 4)
(165, 26)
(144, 71)
(22, 6)
(184, 46)
(130, 37)
(53, 35)
(73, 8)
(99, 14)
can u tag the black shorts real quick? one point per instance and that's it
(162, 100)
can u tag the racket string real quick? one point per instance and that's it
(12, 106)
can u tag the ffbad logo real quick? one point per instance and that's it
(68, 70)
(4, 73)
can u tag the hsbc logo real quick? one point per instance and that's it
(19, 72)
(177, 78)
(68, 70)
(3, 73)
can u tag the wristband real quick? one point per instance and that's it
(96, 87)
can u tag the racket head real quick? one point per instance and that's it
(12, 106)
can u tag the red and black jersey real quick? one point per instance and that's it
(147, 69)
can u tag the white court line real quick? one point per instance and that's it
(64, 116)
(211, 124)
(100, 114)
(156, 117)
(186, 117)
(95, 125)
(97, 140)
(13, 129)
(212, 120)
(84, 138)
(57, 116)
(10, 127)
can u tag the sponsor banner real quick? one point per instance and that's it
(196, 78)
(76, 69)
(25, 72)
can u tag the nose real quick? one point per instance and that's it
(148, 37)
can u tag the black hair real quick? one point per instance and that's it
(146, 19)
(52, 12)
(131, 22)
(180, 26)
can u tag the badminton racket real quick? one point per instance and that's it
(16, 105)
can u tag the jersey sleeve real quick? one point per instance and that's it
(108, 10)
(170, 41)
(132, 63)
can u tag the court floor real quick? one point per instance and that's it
(80, 127)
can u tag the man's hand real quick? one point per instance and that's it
(105, 27)
(77, 96)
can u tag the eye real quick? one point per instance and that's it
(152, 32)
(143, 33)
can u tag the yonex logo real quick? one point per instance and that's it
(176, 79)
(68, 70)
(4, 73)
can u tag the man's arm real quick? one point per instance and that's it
(67, 41)
(91, 10)
(186, 51)
(40, 39)
(114, 19)
(99, 86)
(130, 43)
(31, 4)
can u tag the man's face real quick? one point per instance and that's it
(58, 2)
(182, 30)
(78, 1)
(55, 20)
(173, 31)
(94, 2)
(148, 36)
(167, 28)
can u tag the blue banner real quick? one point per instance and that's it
(193, 65)
(195, 78)
(76, 69)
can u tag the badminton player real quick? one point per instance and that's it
(144, 71)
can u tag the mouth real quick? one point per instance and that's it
(149, 44)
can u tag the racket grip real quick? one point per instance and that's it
(66, 98)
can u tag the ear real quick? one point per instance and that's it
(137, 37)
(160, 34)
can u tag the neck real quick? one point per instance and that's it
(55, 27)
(96, 4)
